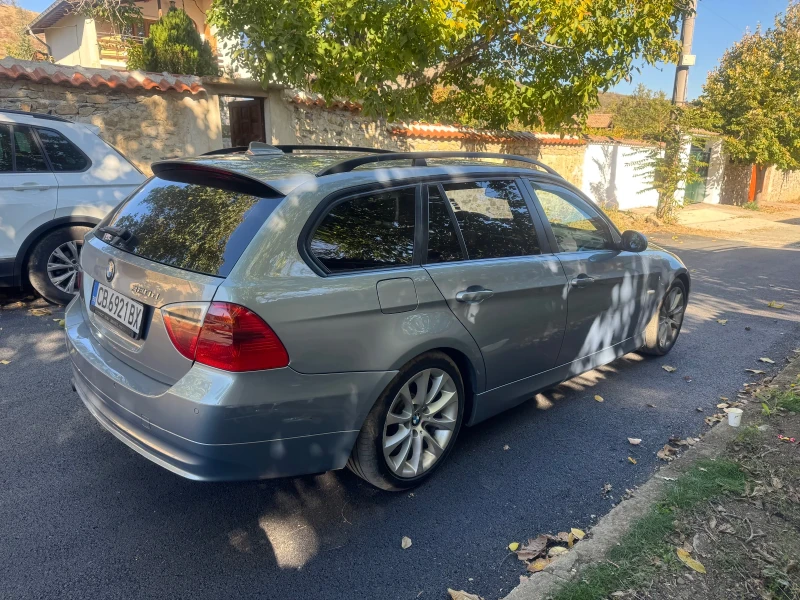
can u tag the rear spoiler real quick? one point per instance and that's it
(202, 174)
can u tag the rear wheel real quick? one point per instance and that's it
(665, 326)
(413, 426)
(54, 262)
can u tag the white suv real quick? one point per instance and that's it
(58, 179)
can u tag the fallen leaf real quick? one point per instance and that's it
(726, 528)
(513, 546)
(773, 304)
(606, 488)
(674, 237)
(723, 398)
(776, 483)
(693, 564)
(699, 409)
(578, 533)
(722, 321)
(764, 359)
(599, 398)
(562, 537)
(5, 362)
(506, 447)
(405, 543)
(669, 369)
(651, 405)
(556, 551)
(755, 371)
(462, 595)
(631, 460)
(723, 405)
(538, 565)
(61, 322)
(570, 540)
(533, 549)
(688, 379)
(666, 453)
(634, 441)
(39, 312)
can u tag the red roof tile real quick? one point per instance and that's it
(40, 72)
(435, 131)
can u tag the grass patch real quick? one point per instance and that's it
(749, 437)
(750, 206)
(632, 561)
(788, 400)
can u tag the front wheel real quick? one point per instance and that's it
(54, 263)
(665, 326)
(413, 425)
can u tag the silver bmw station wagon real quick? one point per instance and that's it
(277, 311)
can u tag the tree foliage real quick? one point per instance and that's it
(535, 62)
(174, 46)
(752, 96)
(645, 115)
(118, 14)
(21, 45)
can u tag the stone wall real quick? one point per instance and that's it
(735, 183)
(144, 125)
(782, 186)
(296, 123)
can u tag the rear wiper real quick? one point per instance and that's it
(109, 233)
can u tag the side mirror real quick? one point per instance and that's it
(633, 241)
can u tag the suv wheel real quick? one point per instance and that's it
(54, 262)
(413, 425)
(665, 326)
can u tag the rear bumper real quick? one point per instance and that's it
(218, 426)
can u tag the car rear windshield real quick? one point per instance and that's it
(191, 226)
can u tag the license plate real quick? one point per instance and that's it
(119, 310)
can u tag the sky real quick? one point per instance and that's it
(719, 24)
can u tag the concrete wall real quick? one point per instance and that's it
(716, 171)
(74, 42)
(611, 179)
(782, 186)
(144, 125)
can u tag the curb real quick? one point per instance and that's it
(614, 525)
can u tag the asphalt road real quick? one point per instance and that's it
(82, 516)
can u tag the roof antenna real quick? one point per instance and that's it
(262, 149)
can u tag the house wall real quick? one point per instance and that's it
(74, 42)
(611, 180)
(716, 170)
(735, 183)
(144, 125)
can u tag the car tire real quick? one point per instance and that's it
(60, 246)
(663, 329)
(431, 435)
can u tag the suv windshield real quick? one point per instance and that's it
(189, 226)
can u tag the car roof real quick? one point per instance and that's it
(22, 117)
(283, 172)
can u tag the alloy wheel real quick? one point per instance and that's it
(671, 317)
(420, 423)
(63, 265)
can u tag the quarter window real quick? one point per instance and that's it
(494, 219)
(443, 244)
(29, 157)
(6, 163)
(63, 154)
(576, 227)
(368, 232)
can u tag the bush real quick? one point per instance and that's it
(174, 46)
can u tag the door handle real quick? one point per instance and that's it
(474, 296)
(581, 281)
(30, 186)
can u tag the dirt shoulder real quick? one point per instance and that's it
(720, 521)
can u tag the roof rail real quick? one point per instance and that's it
(290, 148)
(34, 115)
(418, 160)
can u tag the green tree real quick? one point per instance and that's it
(174, 46)
(752, 97)
(535, 62)
(120, 15)
(645, 114)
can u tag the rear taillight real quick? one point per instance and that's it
(225, 336)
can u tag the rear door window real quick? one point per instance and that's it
(372, 231)
(29, 157)
(191, 226)
(494, 219)
(6, 162)
(443, 243)
(63, 154)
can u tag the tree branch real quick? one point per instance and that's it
(431, 74)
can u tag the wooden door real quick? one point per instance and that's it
(247, 121)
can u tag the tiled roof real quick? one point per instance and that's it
(39, 72)
(453, 132)
(599, 120)
(607, 139)
(50, 16)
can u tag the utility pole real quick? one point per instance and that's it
(687, 58)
